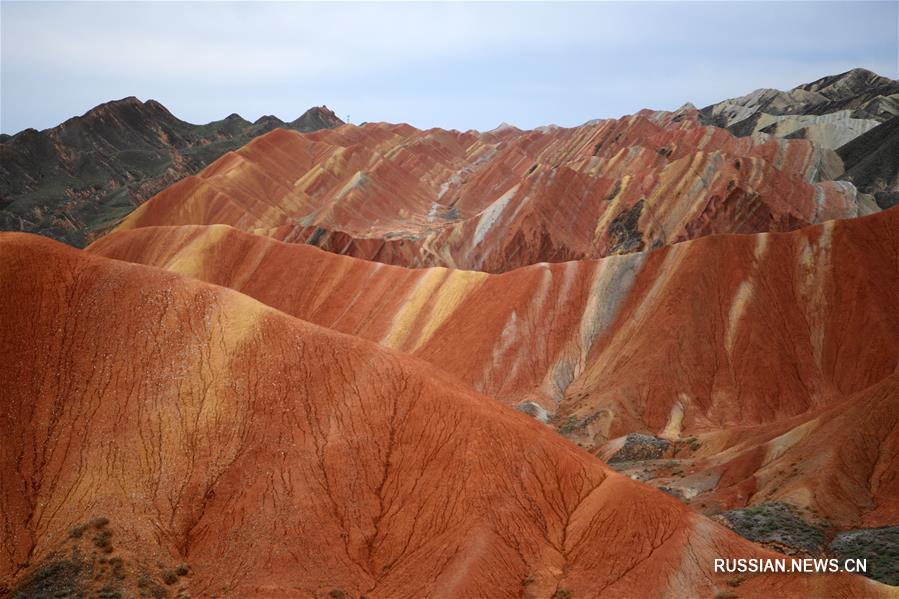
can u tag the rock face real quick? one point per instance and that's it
(871, 163)
(75, 180)
(677, 342)
(831, 111)
(497, 201)
(269, 457)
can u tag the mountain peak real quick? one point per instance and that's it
(151, 103)
(504, 126)
(133, 100)
(128, 105)
(130, 101)
(266, 119)
(111, 142)
(317, 117)
(853, 81)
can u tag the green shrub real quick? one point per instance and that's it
(102, 539)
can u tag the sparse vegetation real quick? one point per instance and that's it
(879, 546)
(562, 594)
(118, 567)
(149, 587)
(780, 523)
(569, 425)
(102, 540)
(57, 578)
(76, 531)
(108, 592)
(158, 592)
(638, 446)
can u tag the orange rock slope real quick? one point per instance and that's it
(763, 333)
(273, 458)
(508, 198)
(836, 462)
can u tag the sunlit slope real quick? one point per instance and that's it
(837, 463)
(737, 339)
(774, 323)
(274, 458)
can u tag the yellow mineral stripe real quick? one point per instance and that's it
(455, 288)
(188, 260)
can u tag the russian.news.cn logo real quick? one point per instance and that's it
(789, 565)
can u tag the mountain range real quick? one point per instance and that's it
(858, 107)
(378, 361)
(75, 180)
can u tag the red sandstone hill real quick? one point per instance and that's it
(699, 310)
(152, 420)
(836, 462)
(744, 341)
(499, 200)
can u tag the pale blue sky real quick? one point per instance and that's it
(456, 65)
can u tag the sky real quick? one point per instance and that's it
(452, 65)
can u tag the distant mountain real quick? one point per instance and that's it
(855, 113)
(78, 179)
(830, 111)
(507, 198)
(872, 162)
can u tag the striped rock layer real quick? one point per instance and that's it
(284, 421)
(735, 339)
(509, 198)
(831, 111)
(270, 457)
